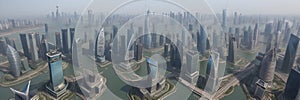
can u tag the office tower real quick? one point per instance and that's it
(24, 66)
(255, 35)
(161, 40)
(76, 52)
(38, 40)
(24, 45)
(155, 77)
(58, 41)
(57, 12)
(92, 84)
(72, 33)
(237, 37)
(91, 47)
(65, 43)
(90, 17)
(22, 95)
(251, 38)
(277, 39)
(14, 61)
(201, 40)
(7, 40)
(100, 46)
(192, 66)
(166, 50)
(224, 22)
(268, 28)
(3, 46)
(231, 54)
(46, 30)
(57, 85)
(115, 31)
(154, 42)
(147, 36)
(298, 33)
(138, 52)
(287, 32)
(292, 87)
(235, 20)
(290, 54)
(44, 48)
(33, 47)
(267, 68)
(212, 75)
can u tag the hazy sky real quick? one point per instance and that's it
(16, 8)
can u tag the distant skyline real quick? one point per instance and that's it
(19, 8)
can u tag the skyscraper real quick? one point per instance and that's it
(138, 52)
(22, 95)
(212, 75)
(33, 47)
(192, 69)
(44, 48)
(237, 37)
(231, 54)
(76, 52)
(156, 79)
(224, 17)
(290, 54)
(3, 46)
(100, 46)
(255, 35)
(14, 61)
(201, 40)
(46, 30)
(65, 42)
(58, 41)
(267, 68)
(292, 86)
(72, 33)
(25, 45)
(57, 85)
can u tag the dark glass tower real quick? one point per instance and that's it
(292, 86)
(72, 33)
(65, 42)
(25, 45)
(290, 54)
(57, 85)
(58, 41)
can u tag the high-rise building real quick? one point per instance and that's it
(166, 50)
(212, 75)
(22, 95)
(44, 48)
(100, 46)
(157, 80)
(231, 54)
(76, 52)
(58, 41)
(72, 33)
(237, 37)
(57, 85)
(224, 18)
(65, 42)
(292, 87)
(290, 54)
(260, 89)
(267, 68)
(255, 35)
(3, 46)
(33, 47)
(268, 28)
(24, 45)
(192, 66)
(201, 40)
(92, 84)
(138, 52)
(46, 30)
(14, 61)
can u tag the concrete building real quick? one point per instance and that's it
(92, 84)
(58, 41)
(260, 89)
(33, 47)
(192, 67)
(14, 61)
(57, 85)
